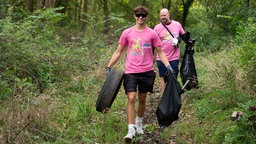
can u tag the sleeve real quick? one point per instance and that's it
(182, 31)
(156, 29)
(123, 39)
(156, 40)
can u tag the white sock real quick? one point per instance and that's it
(139, 119)
(130, 126)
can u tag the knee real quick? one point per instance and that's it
(131, 100)
(142, 99)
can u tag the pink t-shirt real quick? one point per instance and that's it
(139, 53)
(172, 53)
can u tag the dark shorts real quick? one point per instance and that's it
(162, 69)
(139, 82)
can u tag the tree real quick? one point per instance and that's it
(45, 3)
(31, 5)
(106, 16)
(84, 17)
(186, 5)
(168, 6)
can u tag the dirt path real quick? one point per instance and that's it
(150, 118)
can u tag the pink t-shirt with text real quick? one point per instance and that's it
(172, 53)
(139, 53)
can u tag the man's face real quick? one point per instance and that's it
(140, 18)
(164, 16)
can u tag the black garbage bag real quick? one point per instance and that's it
(169, 106)
(188, 70)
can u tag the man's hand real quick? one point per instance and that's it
(108, 69)
(169, 67)
(175, 41)
(169, 72)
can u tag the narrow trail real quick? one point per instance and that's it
(153, 137)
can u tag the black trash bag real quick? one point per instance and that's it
(109, 90)
(169, 106)
(188, 70)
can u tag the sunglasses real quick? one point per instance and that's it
(140, 15)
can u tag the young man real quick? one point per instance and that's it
(169, 43)
(138, 41)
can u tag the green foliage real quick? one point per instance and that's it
(244, 130)
(29, 49)
(214, 24)
(94, 36)
(245, 51)
(246, 40)
(209, 36)
(224, 88)
(15, 9)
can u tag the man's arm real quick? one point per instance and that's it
(185, 37)
(164, 59)
(116, 56)
(162, 56)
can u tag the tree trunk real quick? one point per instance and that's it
(78, 14)
(45, 3)
(106, 16)
(30, 5)
(40, 4)
(84, 17)
(49, 3)
(248, 3)
(186, 6)
(168, 5)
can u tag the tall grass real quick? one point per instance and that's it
(223, 89)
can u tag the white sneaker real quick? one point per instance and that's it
(130, 135)
(138, 125)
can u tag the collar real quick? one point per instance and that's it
(168, 23)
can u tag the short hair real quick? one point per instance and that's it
(140, 9)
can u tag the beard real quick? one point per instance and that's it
(164, 20)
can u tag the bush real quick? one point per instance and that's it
(29, 52)
(245, 51)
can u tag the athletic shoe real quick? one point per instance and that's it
(130, 135)
(138, 125)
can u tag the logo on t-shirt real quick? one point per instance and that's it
(136, 47)
(167, 37)
(146, 45)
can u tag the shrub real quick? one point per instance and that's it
(29, 51)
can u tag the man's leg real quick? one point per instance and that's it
(131, 96)
(140, 112)
(130, 107)
(174, 64)
(142, 104)
(161, 70)
(162, 84)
